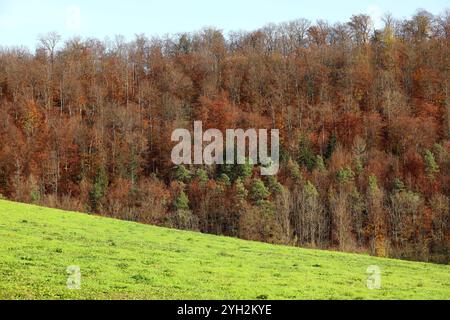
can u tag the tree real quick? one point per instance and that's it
(99, 189)
(49, 43)
(181, 174)
(306, 155)
(405, 218)
(275, 188)
(183, 217)
(258, 191)
(310, 224)
(360, 26)
(341, 218)
(181, 202)
(331, 146)
(440, 227)
(377, 231)
(431, 166)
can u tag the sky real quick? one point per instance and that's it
(22, 21)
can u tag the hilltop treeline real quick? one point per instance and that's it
(363, 116)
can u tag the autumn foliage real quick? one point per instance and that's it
(363, 115)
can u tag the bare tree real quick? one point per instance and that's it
(49, 42)
(360, 26)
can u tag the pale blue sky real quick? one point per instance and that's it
(21, 21)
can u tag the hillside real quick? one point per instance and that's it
(362, 114)
(124, 260)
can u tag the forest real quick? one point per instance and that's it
(363, 115)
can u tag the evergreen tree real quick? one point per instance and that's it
(258, 191)
(306, 155)
(331, 146)
(431, 166)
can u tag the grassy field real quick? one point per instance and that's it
(124, 260)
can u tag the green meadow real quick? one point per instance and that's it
(126, 260)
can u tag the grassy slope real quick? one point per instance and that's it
(123, 260)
